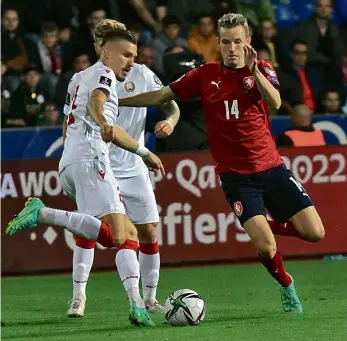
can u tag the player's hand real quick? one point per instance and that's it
(108, 132)
(250, 57)
(153, 163)
(163, 129)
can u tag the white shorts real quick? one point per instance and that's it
(139, 199)
(94, 188)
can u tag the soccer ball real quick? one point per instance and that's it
(184, 307)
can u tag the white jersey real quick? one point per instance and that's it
(140, 79)
(83, 139)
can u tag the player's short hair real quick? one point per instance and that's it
(105, 26)
(118, 34)
(231, 20)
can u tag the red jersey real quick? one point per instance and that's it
(236, 116)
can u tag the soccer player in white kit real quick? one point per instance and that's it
(85, 170)
(134, 182)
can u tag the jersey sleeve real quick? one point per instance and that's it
(103, 78)
(151, 80)
(188, 86)
(69, 94)
(269, 72)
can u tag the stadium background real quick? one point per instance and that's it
(197, 225)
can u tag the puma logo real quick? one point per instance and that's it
(215, 83)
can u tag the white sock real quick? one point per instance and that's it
(82, 264)
(78, 223)
(129, 272)
(149, 266)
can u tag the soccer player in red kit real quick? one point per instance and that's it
(236, 96)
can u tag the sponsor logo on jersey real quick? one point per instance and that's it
(215, 83)
(105, 80)
(129, 86)
(238, 209)
(67, 99)
(248, 82)
(157, 80)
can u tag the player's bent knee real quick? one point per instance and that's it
(147, 233)
(309, 224)
(267, 250)
(132, 234)
(118, 241)
(317, 234)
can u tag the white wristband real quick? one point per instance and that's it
(142, 151)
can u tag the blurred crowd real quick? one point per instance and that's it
(45, 41)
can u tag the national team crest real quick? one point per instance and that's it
(238, 209)
(248, 82)
(129, 86)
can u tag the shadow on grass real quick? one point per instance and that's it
(10, 329)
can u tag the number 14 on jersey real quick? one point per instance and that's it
(234, 110)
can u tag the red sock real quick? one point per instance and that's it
(128, 244)
(149, 249)
(85, 243)
(105, 237)
(281, 229)
(275, 268)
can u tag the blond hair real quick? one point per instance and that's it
(231, 20)
(105, 26)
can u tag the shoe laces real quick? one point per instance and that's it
(75, 302)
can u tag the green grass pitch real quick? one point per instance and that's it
(242, 303)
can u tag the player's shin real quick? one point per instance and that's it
(83, 258)
(129, 271)
(149, 259)
(79, 224)
(259, 231)
(274, 266)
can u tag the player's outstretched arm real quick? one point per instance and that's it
(148, 99)
(123, 140)
(172, 115)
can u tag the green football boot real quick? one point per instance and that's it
(140, 317)
(290, 299)
(27, 218)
